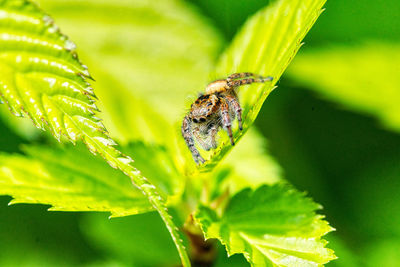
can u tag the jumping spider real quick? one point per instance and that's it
(214, 110)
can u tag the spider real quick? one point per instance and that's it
(214, 110)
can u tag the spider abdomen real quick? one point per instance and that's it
(217, 86)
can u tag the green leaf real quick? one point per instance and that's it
(42, 78)
(72, 179)
(41, 75)
(265, 45)
(271, 226)
(361, 78)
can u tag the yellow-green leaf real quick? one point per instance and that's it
(73, 179)
(70, 179)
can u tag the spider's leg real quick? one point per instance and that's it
(213, 131)
(234, 104)
(203, 144)
(226, 120)
(240, 75)
(188, 136)
(236, 83)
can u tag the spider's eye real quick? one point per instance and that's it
(209, 104)
(195, 121)
(202, 119)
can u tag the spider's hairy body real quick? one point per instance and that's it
(215, 110)
(217, 86)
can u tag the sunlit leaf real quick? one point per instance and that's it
(43, 79)
(271, 226)
(69, 180)
(361, 78)
(72, 179)
(265, 45)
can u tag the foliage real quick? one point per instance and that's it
(142, 96)
(362, 78)
(61, 178)
(273, 225)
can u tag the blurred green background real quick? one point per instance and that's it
(347, 160)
